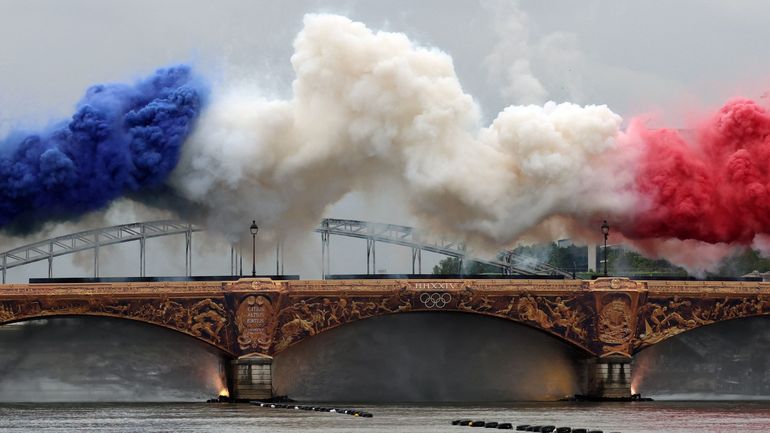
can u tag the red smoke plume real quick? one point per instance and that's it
(711, 183)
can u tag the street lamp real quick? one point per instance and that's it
(606, 232)
(254, 230)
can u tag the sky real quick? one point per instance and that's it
(637, 57)
(634, 56)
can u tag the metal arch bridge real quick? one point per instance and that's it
(97, 238)
(509, 262)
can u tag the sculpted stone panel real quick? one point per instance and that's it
(202, 318)
(6, 313)
(615, 324)
(608, 317)
(566, 317)
(614, 284)
(255, 319)
(307, 316)
(664, 317)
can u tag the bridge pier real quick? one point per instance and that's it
(252, 378)
(607, 378)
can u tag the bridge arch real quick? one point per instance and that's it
(717, 359)
(685, 330)
(203, 317)
(567, 318)
(429, 356)
(306, 332)
(186, 333)
(661, 318)
(100, 358)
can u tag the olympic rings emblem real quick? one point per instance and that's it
(435, 300)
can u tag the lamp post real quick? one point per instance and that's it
(606, 232)
(254, 230)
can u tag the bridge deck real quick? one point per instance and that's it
(605, 317)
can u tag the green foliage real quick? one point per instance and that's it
(623, 262)
(453, 265)
(620, 262)
(569, 258)
(448, 265)
(744, 263)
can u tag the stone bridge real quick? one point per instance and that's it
(252, 320)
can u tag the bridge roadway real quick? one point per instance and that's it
(253, 320)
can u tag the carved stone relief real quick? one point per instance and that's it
(255, 319)
(661, 318)
(614, 323)
(304, 317)
(203, 318)
(609, 316)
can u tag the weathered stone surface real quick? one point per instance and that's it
(607, 317)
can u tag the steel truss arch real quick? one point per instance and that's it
(509, 262)
(96, 238)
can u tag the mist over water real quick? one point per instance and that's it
(100, 359)
(428, 357)
(729, 360)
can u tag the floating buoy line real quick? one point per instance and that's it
(351, 412)
(523, 427)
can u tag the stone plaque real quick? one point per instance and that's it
(614, 324)
(254, 319)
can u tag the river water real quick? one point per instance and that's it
(419, 358)
(638, 417)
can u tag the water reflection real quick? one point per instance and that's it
(424, 357)
(101, 359)
(627, 418)
(728, 360)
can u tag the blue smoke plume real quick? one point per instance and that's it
(123, 139)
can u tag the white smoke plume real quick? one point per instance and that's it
(532, 68)
(510, 59)
(761, 243)
(679, 251)
(371, 107)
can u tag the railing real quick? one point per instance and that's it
(509, 262)
(97, 238)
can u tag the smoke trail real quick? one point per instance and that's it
(713, 185)
(517, 54)
(509, 59)
(707, 187)
(373, 107)
(122, 139)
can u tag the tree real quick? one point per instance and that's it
(455, 266)
(447, 266)
(743, 263)
(571, 258)
(623, 262)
